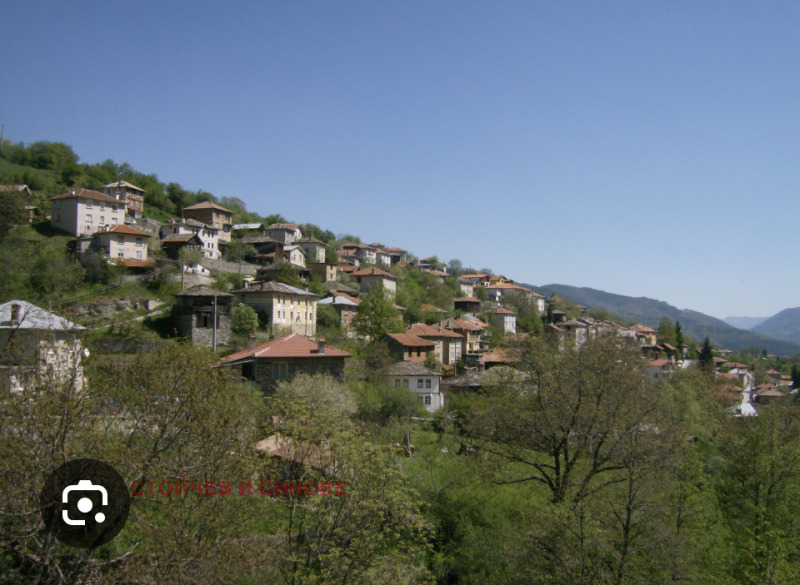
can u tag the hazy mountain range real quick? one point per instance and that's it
(697, 325)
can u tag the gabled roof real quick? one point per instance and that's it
(284, 226)
(87, 194)
(32, 317)
(501, 311)
(410, 369)
(430, 308)
(408, 340)
(179, 238)
(467, 300)
(123, 184)
(202, 291)
(288, 346)
(422, 330)
(453, 324)
(397, 251)
(194, 223)
(311, 240)
(122, 229)
(247, 226)
(276, 287)
(372, 271)
(208, 205)
(660, 363)
(341, 300)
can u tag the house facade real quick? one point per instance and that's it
(408, 348)
(314, 250)
(283, 358)
(212, 215)
(285, 233)
(39, 349)
(204, 315)
(345, 306)
(369, 278)
(504, 319)
(424, 383)
(448, 344)
(286, 308)
(82, 213)
(122, 242)
(131, 196)
(208, 235)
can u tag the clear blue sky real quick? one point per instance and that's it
(643, 148)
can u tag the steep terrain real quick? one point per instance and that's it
(784, 325)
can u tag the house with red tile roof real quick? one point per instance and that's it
(122, 242)
(408, 347)
(84, 212)
(448, 346)
(212, 214)
(504, 319)
(470, 332)
(285, 357)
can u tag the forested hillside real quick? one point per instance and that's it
(651, 311)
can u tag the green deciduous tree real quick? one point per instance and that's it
(245, 319)
(376, 315)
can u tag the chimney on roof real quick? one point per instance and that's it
(321, 345)
(15, 309)
(252, 340)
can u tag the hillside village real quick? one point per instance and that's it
(300, 288)
(481, 429)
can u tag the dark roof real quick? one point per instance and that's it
(278, 287)
(410, 369)
(202, 291)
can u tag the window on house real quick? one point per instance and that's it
(102, 219)
(88, 205)
(419, 382)
(280, 371)
(398, 382)
(139, 256)
(203, 320)
(89, 218)
(120, 253)
(427, 399)
(114, 221)
(428, 383)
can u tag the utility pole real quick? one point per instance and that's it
(214, 334)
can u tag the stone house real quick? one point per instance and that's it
(285, 233)
(39, 348)
(369, 278)
(194, 315)
(470, 305)
(212, 215)
(284, 358)
(314, 250)
(84, 212)
(470, 332)
(504, 319)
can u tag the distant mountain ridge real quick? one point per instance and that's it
(650, 312)
(745, 322)
(784, 325)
